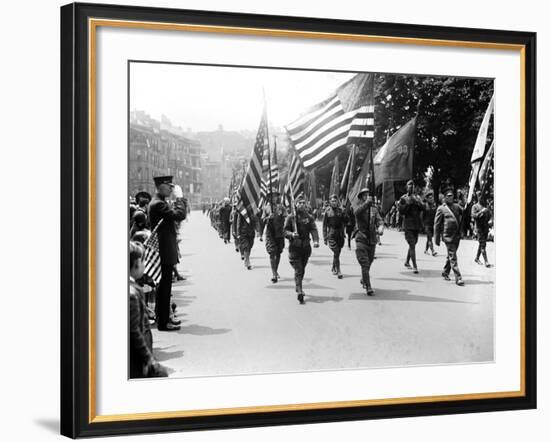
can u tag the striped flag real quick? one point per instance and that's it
(151, 258)
(250, 192)
(347, 178)
(486, 169)
(347, 116)
(266, 164)
(335, 179)
(296, 178)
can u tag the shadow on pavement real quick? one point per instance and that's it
(51, 425)
(292, 287)
(201, 330)
(322, 299)
(162, 355)
(400, 295)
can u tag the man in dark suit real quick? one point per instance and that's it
(163, 212)
(447, 225)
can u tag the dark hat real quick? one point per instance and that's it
(362, 191)
(162, 180)
(143, 194)
(410, 182)
(429, 193)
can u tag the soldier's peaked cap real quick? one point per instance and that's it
(163, 180)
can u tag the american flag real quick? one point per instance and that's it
(151, 258)
(345, 117)
(266, 176)
(347, 178)
(250, 191)
(296, 177)
(486, 170)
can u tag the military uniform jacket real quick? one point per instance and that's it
(411, 207)
(367, 221)
(428, 216)
(274, 223)
(481, 216)
(334, 223)
(447, 222)
(244, 228)
(306, 227)
(160, 209)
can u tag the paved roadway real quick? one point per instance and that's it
(235, 321)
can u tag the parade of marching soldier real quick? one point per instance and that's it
(292, 220)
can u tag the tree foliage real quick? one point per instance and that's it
(449, 112)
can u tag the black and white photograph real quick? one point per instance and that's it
(293, 220)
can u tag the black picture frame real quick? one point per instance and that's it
(76, 249)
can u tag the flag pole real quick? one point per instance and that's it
(292, 206)
(268, 153)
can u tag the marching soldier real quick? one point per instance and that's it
(369, 224)
(225, 215)
(245, 237)
(233, 220)
(447, 226)
(298, 228)
(410, 207)
(481, 215)
(334, 225)
(428, 216)
(161, 210)
(350, 223)
(273, 222)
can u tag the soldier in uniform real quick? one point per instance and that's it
(245, 237)
(334, 225)
(160, 209)
(273, 222)
(233, 219)
(447, 226)
(369, 224)
(411, 207)
(428, 216)
(298, 229)
(350, 223)
(481, 215)
(225, 225)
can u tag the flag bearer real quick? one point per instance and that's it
(298, 228)
(481, 215)
(246, 231)
(428, 216)
(447, 226)
(334, 235)
(273, 222)
(369, 225)
(411, 207)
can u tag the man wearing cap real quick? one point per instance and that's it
(225, 217)
(411, 207)
(161, 211)
(448, 217)
(428, 216)
(274, 221)
(369, 225)
(334, 235)
(246, 231)
(298, 229)
(481, 216)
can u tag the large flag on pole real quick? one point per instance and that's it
(485, 171)
(479, 148)
(346, 116)
(250, 190)
(347, 178)
(294, 186)
(335, 179)
(364, 179)
(394, 160)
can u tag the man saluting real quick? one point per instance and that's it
(161, 211)
(447, 226)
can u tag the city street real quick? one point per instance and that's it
(235, 321)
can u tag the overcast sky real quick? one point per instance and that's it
(202, 97)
